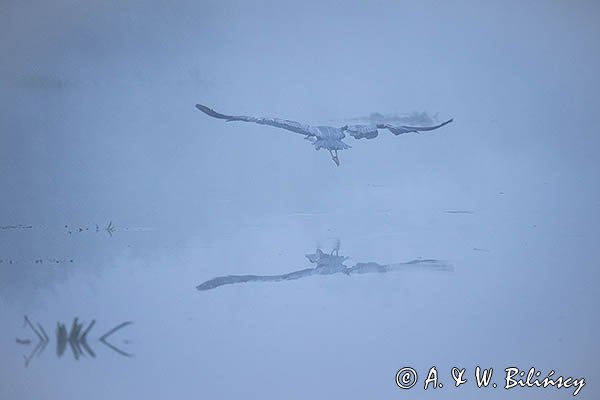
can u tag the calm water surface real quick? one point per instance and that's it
(119, 198)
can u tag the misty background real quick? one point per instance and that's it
(98, 126)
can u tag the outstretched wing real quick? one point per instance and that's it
(232, 279)
(371, 131)
(371, 267)
(400, 129)
(276, 122)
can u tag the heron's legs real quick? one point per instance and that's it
(334, 157)
(336, 249)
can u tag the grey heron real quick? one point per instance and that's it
(329, 264)
(325, 137)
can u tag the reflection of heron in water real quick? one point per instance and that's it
(328, 264)
(325, 137)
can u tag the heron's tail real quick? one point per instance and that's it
(331, 144)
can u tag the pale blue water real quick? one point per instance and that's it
(100, 133)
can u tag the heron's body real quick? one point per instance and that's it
(324, 137)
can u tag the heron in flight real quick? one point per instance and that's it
(325, 137)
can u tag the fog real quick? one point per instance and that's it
(119, 198)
